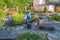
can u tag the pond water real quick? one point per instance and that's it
(13, 31)
(55, 35)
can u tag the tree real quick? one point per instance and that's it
(47, 1)
(2, 3)
(58, 11)
(52, 1)
(13, 3)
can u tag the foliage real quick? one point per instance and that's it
(1, 24)
(2, 3)
(18, 18)
(31, 36)
(2, 17)
(45, 9)
(13, 3)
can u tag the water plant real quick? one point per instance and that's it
(31, 36)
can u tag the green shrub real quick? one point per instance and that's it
(2, 17)
(1, 24)
(18, 18)
(31, 36)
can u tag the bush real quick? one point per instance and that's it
(18, 18)
(2, 17)
(31, 36)
(1, 24)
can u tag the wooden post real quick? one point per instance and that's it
(17, 8)
(31, 8)
(5, 8)
(25, 8)
(47, 36)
